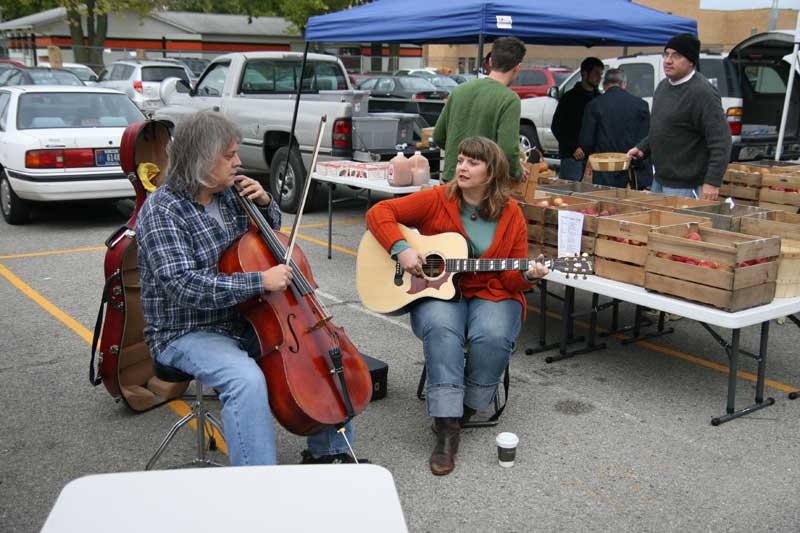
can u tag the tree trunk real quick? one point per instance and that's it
(79, 50)
(96, 52)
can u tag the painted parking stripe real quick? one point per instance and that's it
(179, 406)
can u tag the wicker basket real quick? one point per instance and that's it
(609, 162)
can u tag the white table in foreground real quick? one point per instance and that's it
(330, 498)
(362, 184)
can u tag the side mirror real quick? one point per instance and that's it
(170, 86)
(552, 92)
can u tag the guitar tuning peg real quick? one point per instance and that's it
(585, 254)
(584, 277)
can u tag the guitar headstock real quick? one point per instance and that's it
(577, 265)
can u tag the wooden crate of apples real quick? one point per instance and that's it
(669, 203)
(727, 270)
(621, 242)
(787, 227)
(780, 191)
(535, 215)
(742, 183)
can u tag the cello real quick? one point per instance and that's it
(315, 376)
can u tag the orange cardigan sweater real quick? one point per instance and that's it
(431, 212)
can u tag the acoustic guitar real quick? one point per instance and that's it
(384, 287)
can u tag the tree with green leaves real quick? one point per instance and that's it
(298, 11)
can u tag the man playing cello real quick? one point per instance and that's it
(190, 307)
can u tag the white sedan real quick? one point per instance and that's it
(61, 143)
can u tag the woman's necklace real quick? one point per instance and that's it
(472, 210)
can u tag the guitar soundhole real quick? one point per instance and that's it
(433, 267)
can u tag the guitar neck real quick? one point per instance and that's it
(489, 265)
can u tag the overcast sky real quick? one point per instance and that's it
(747, 4)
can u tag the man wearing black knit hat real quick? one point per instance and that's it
(689, 139)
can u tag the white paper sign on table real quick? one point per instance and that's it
(570, 230)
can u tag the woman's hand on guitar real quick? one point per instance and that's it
(411, 261)
(537, 269)
(276, 278)
(252, 190)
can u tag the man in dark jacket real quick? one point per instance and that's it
(613, 122)
(568, 118)
(689, 137)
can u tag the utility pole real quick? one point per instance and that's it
(773, 16)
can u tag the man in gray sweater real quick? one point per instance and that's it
(689, 139)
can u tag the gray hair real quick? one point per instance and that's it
(197, 142)
(614, 76)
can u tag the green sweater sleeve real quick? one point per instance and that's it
(508, 135)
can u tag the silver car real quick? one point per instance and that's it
(141, 79)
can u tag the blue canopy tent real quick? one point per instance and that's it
(550, 22)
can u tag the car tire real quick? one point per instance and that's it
(15, 210)
(528, 138)
(289, 198)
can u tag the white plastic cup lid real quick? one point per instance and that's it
(507, 440)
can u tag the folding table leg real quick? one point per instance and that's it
(543, 346)
(569, 318)
(733, 358)
(331, 186)
(639, 322)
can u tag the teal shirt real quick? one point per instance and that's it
(479, 108)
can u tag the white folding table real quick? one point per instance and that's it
(364, 185)
(331, 498)
(705, 315)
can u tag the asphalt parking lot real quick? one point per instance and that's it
(617, 440)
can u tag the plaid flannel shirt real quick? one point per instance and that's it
(179, 248)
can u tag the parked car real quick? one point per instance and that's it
(405, 94)
(84, 73)
(195, 64)
(12, 62)
(428, 72)
(61, 143)
(752, 101)
(38, 76)
(535, 81)
(444, 83)
(141, 79)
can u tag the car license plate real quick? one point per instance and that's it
(106, 157)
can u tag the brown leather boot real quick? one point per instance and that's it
(443, 458)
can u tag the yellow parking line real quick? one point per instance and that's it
(54, 252)
(179, 406)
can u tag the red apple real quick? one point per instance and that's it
(557, 202)
(690, 261)
(694, 236)
(707, 264)
(761, 261)
(591, 211)
(544, 203)
(604, 213)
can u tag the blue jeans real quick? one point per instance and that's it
(572, 169)
(672, 191)
(489, 328)
(223, 363)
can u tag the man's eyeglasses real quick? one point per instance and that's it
(673, 56)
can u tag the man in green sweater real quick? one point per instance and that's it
(689, 138)
(485, 107)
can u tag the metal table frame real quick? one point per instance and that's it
(708, 317)
(362, 185)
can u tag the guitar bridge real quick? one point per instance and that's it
(398, 274)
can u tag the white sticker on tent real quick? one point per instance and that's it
(504, 22)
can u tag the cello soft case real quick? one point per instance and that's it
(123, 360)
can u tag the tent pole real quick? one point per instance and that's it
(294, 124)
(788, 97)
(480, 53)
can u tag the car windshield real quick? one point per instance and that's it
(559, 77)
(84, 74)
(53, 77)
(416, 84)
(161, 73)
(443, 81)
(75, 110)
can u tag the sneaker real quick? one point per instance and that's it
(335, 459)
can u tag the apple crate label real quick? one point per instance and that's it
(570, 230)
(504, 22)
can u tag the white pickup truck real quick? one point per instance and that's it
(257, 91)
(751, 80)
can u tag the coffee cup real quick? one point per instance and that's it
(506, 449)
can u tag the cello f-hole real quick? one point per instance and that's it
(295, 346)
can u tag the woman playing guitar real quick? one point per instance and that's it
(488, 314)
